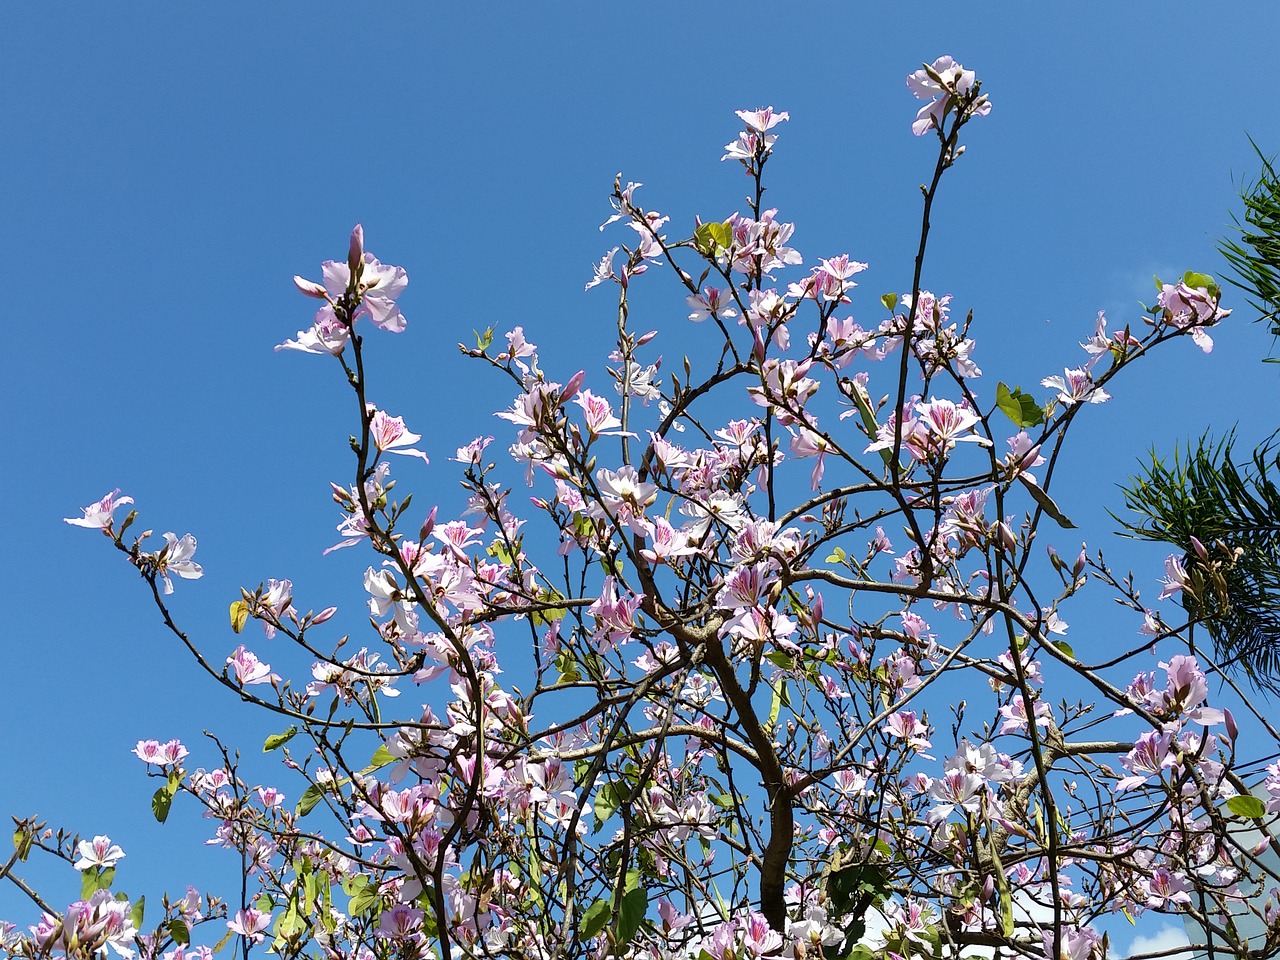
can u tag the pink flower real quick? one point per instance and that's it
(1175, 578)
(1076, 386)
(1166, 889)
(1149, 756)
(162, 754)
(1022, 456)
(327, 334)
(270, 796)
(807, 443)
(275, 603)
(98, 852)
(390, 435)
(376, 284)
(599, 416)
(831, 277)
(784, 387)
(904, 725)
(1191, 308)
(175, 557)
(97, 516)
(250, 923)
(401, 922)
(615, 616)
(604, 269)
(754, 139)
(249, 669)
(1077, 943)
(473, 451)
(763, 119)
(711, 302)
(1015, 715)
(949, 422)
(945, 81)
(668, 543)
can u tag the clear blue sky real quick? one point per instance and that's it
(168, 167)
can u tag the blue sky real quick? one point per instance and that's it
(169, 167)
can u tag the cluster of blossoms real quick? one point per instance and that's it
(705, 726)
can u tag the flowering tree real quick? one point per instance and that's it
(766, 666)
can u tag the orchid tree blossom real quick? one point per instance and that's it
(766, 654)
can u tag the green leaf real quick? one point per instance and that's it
(226, 938)
(1046, 502)
(264, 903)
(239, 614)
(567, 667)
(138, 912)
(542, 618)
(498, 550)
(310, 797)
(1194, 280)
(867, 415)
(289, 925)
(178, 932)
(608, 799)
(631, 913)
(354, 884)
(381, 757)
(484, 340)
(278, 740)
(1065, 648)
(710, 238)
(780, 699)
(162, 799)
(890, 300)
(1018, 406)
(22, 840)
(1246, 806)
(594, 918)
(837, 556)
(95, 879)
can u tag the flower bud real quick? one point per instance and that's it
(571, 388)
(1078, 567)
(355, 254)
(1005, 535)
(428, 525)
(310, 288)
(324, 615)
(1198, 547)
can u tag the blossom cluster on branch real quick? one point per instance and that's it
(790, 683)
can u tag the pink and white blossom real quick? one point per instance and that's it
(99, 853)
(248, 669)
(98, 516)
(390, 435)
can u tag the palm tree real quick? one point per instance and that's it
(1229, 507)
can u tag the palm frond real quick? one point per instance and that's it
(1255, 254)
(1233, 509)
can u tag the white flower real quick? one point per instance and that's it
(98, 852)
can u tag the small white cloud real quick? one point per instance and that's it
(1168, 937)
